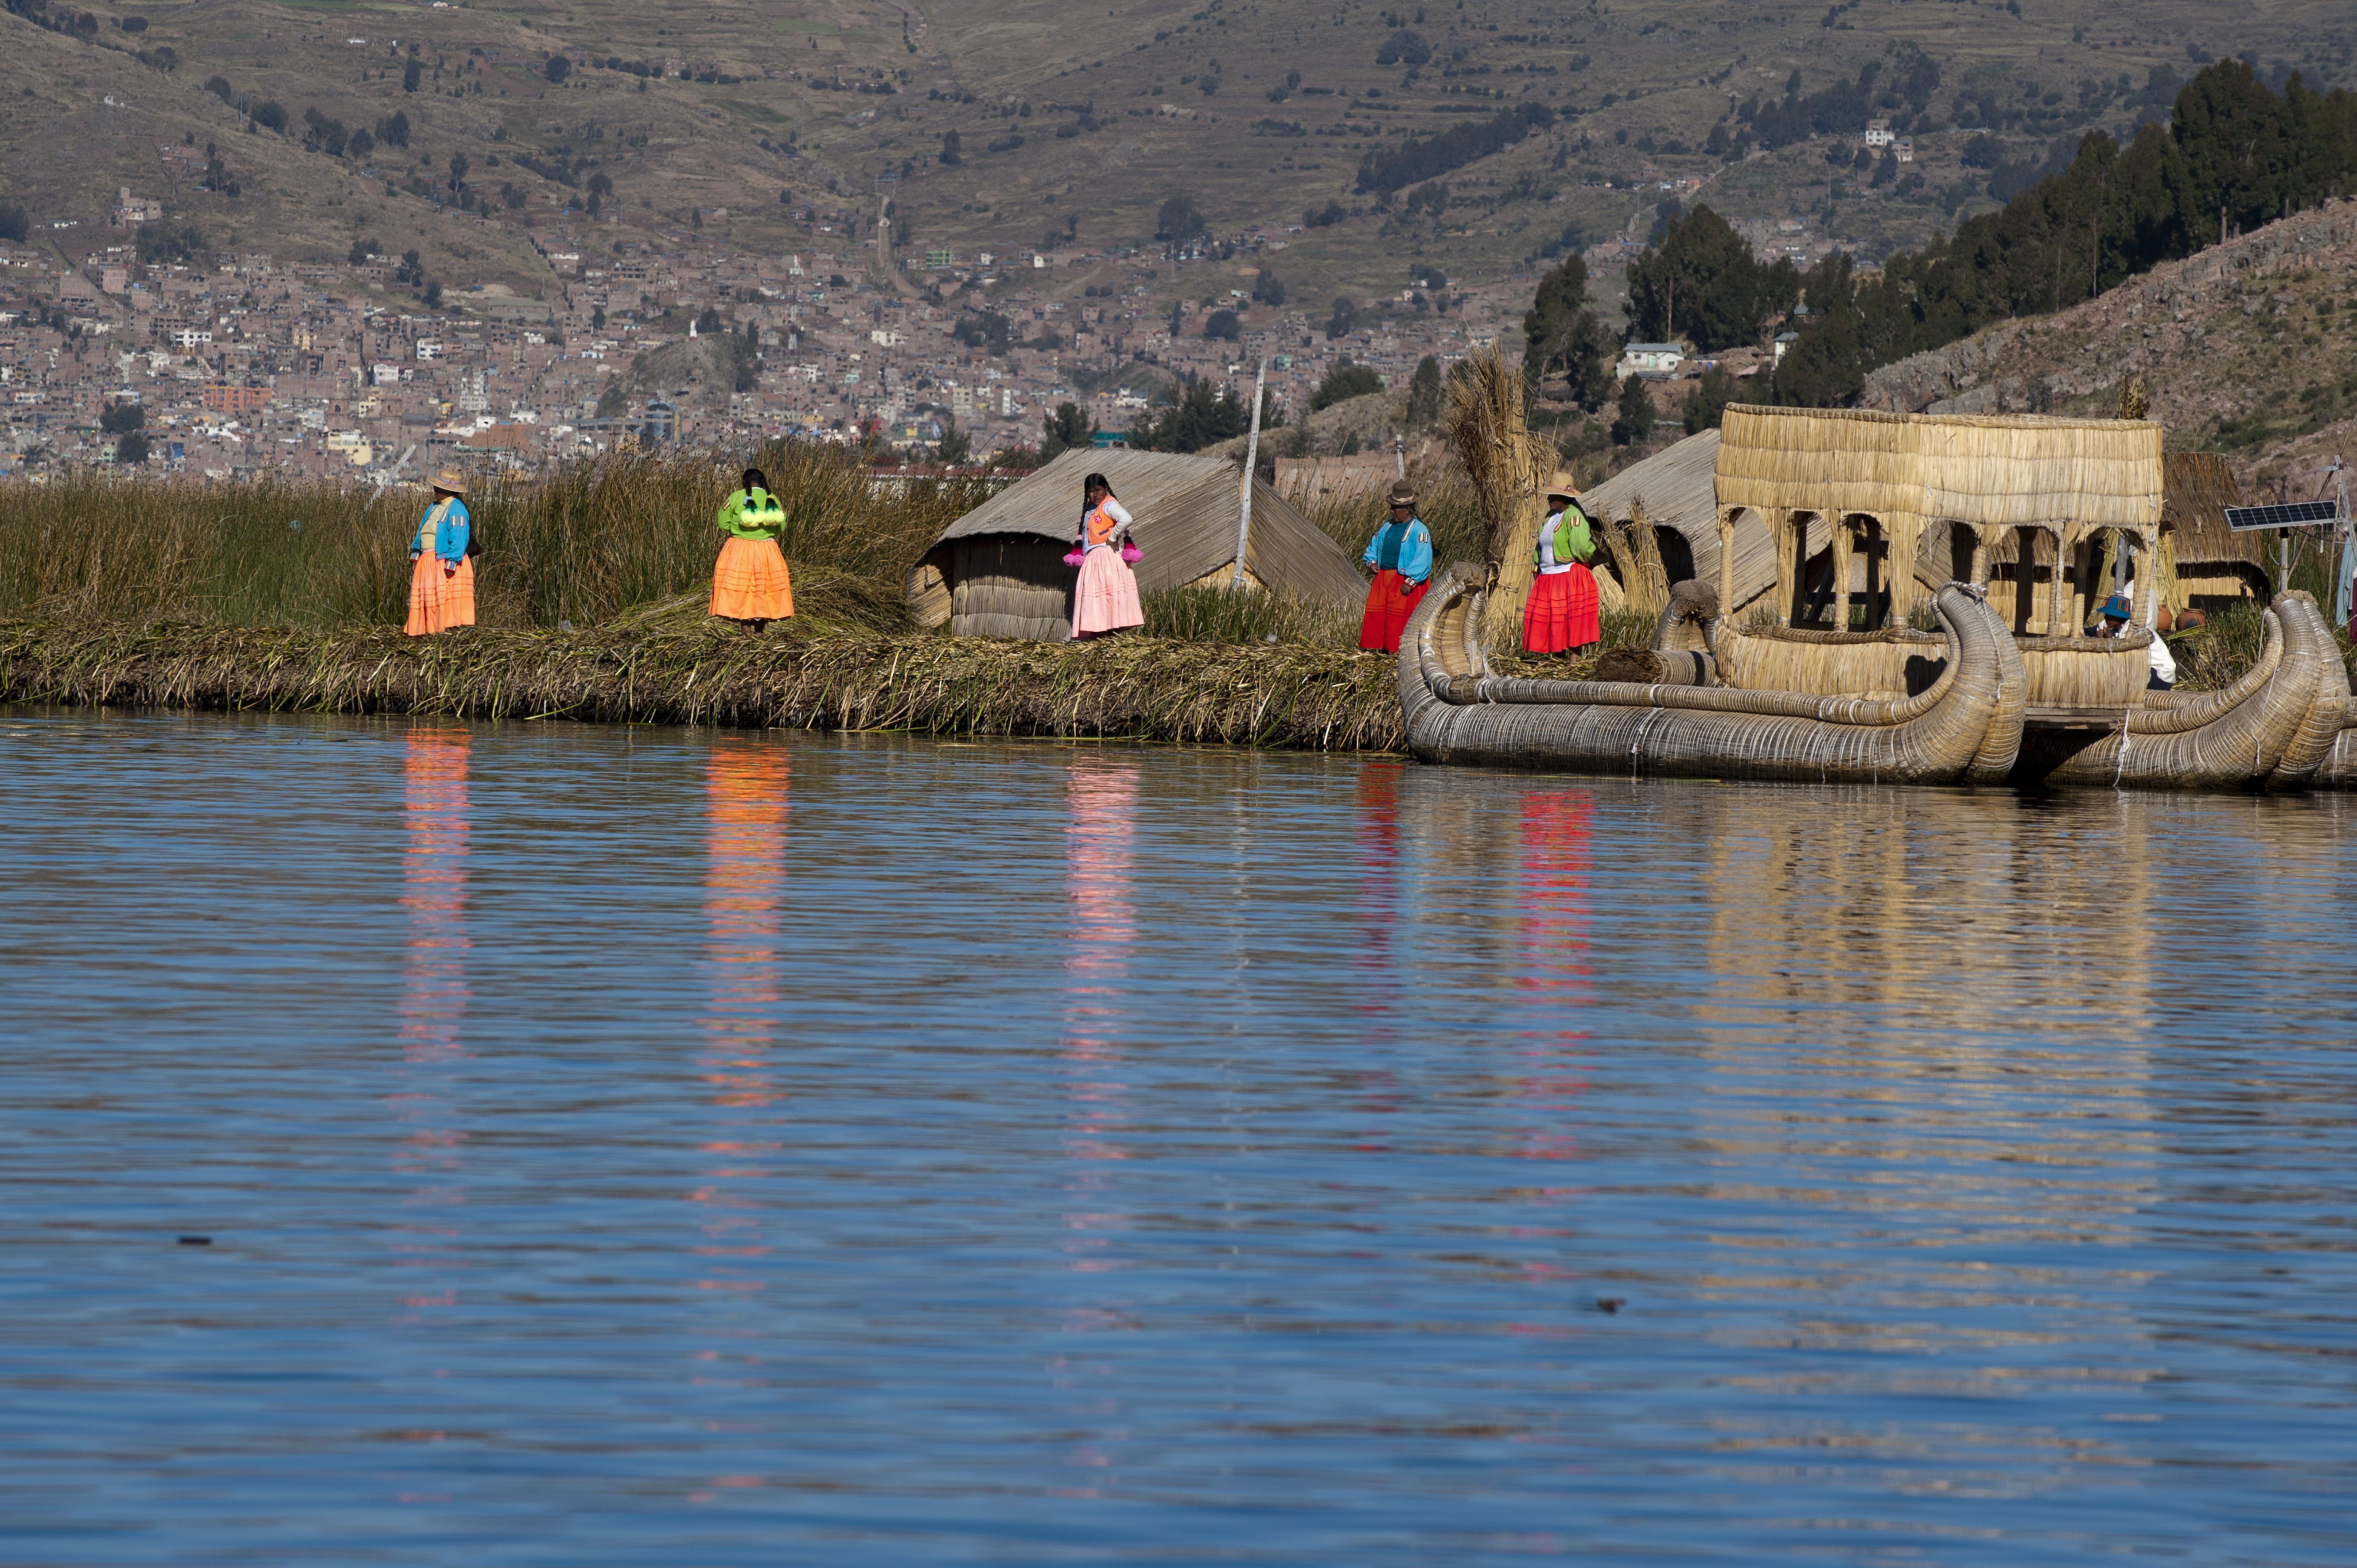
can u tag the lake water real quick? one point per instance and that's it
(660, 1146)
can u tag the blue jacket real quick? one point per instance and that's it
(449, 536)
(1414, 551)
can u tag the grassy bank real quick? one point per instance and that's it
(1133, 687)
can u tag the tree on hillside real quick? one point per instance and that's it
(557, 68)
(121, 418)
(1344, 380)
(1178, 221)
(1825, 367)
(1067, 427)
(1268, 288)
(132, 448)
(952, 149)
(1564, 338)
(1345, 319)
(14, 224)
(1633, 419)
(957, 447)
(1704, 282)
(1706, 404)
(412, 73)
(1424, 394)
(1201, 417)
(1223, 325)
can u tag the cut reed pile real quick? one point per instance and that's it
(1509, 467)
(1128, 687)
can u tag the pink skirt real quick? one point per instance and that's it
(1106, 598)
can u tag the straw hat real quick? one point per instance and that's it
(1403, 494)
(1562, 485)
(450, 479)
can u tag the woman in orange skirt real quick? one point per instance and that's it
(1563, 613)
(442, 566)
(750, 582)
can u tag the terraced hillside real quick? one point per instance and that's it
(1373, 139)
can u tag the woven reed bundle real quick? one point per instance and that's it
(1133, 687)
(1457, 712)
(1989, 470)
(1891, 663)
(2278, 725)
(2088, 671)
(1509, 467)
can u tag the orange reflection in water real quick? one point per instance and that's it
(1100, 945)
(745, 804)
(431, 1009)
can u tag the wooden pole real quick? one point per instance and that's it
(1252, 461)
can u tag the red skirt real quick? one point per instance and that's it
(1390, 601)
(1562, 613)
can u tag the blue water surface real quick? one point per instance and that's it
(659, 1147)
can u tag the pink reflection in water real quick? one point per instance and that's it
(1100, 946)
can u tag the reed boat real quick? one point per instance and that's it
(1951, 706)
(1962, 727)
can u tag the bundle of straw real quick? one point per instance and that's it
(1509, 467)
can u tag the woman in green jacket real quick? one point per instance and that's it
(750, 582)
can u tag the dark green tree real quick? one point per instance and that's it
(120, 418)
(1633, 418)
(131, 448)
(1178, 221)
(1067, 427)
(1344, 380)
(955, 445)
(1424, 394)
(1223, 325)
(1825, 367)
(1345, 319)
(1564, 340)
(557, 68)
(1704, 282)
(1201, 417)
(1706, 404)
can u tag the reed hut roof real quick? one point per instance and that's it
(2196, 490)
(1676, 486)
(1186, 509)
(1988, 470)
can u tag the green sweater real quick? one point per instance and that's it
(1575, 539)
(753, 514)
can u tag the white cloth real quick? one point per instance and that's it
(1548, 565)
(2164, 662)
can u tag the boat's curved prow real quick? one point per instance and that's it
(2277, 725)
(1458, 710)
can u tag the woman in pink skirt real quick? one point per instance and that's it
(1106, 598)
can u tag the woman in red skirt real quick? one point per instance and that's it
(1562, 615)
(1401, 553)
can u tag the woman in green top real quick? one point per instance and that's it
(1563, 611)
(750, 583)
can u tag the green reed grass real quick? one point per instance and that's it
(582, 541)
(1218, 614)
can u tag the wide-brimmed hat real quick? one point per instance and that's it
(2116, 608)
(449, 480)
(1562, 485)
(1403, 494)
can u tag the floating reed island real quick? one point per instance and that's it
(1135, 688)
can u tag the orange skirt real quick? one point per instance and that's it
(437, 603)
(750, 582)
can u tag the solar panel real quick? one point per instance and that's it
(2297, 514)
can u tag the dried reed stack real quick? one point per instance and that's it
(1509, 466)
(1637, 551)
(1140, 688)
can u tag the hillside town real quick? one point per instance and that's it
(238, 365)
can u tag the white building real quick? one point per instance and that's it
(1652, 359)
(1877, 134)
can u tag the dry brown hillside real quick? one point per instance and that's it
(2248, 349)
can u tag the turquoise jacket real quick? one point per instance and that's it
(449, 537)
(1407, 550)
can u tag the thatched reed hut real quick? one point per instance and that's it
(1673, 493)
(2026, 506)
(2204, 565)
(1000, 570)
